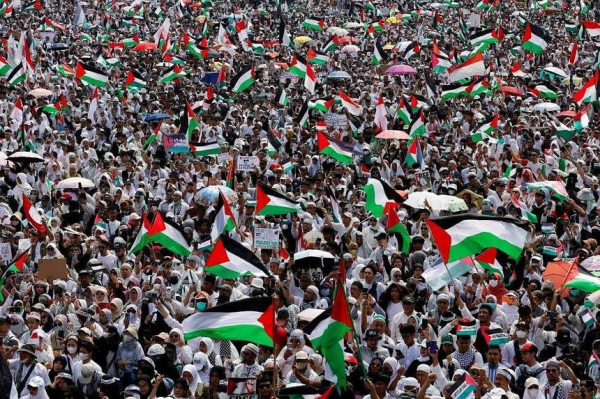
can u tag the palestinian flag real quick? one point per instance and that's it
(404, 112)
(90, 75)
(466, 327)
(302, 116)
(224, 219)
(587, 317)
(200, 53)
(581, 119)
(379, 195)
(17, 267)
(494, 336)
(592, 28)
(64, 70)
(284, 36)
(543, 91)
(587, 93)
(188, 122)
(440, 63)
(32, 215)
(142, 236)
(135, 81)
(574, 53)
(394, 225)
(322, 105)
(381, 114)
(486, 36)
(315, 57)
(484, 129)
(328, 329)
(281, 97)
(270, 202)
(169, 235)
(379, 55)
(349, 104)
(594, 361)
(170, 74)
(52, 109)
(204, 149)
(525, 214)
(250, 319)
(472, 67)
(415, 154)
(534, 39)
(153, 136)
(556, 187)
(560, 128)
(243, 80)
(231, 259)
(310, 79)
(332, 44)
(411, 50)
(298, 66)
(132, 42)
(299, 391)
(16, 75)
(454, 90)
(16, 114)
(314, 23)
(464, 235)
(336, 149)
(488, 260)
(4, 66)
(478, 87)
(581, 279)
(417, 126)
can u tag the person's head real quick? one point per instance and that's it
(529, 351)
(27, 354)
(249, 354)
(463, 342)
(380, 382)
(181, 388)
(504, 377)
(485, 313)
(423, 371)
(407, 332)
(443, 303)
(493, 354)
(552, 371)
(369, 274)
(144, 383)
(301, 360)
(408, 305)
(372, 338)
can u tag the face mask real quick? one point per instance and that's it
(71, 349)
(494, 283)
(127, 338)
(156, 287)
(301, 366)
(588, 304)
(533, 392)
(521, 334)
(574, 292)
(201, 306)
(325, 292)
(64, 208)
(154, 178)
(84, 356)
(173, 281)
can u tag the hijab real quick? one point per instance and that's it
(190, 368)
(119, 305)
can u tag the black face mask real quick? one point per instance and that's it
(173, 281)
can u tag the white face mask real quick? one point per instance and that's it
(521, 334)
(533, 393)
(84, 356)
(71, 349)
(494, 283)
(156, 287)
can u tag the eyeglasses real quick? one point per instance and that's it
(174, 336)
(265, 386)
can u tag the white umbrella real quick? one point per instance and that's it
(39, 92)
(338, 31)
(352, 25)
(417, 200)
(550, 107)
(556, 71)
(350, 48)
(25, 157)
(73, 183)
(455, 204)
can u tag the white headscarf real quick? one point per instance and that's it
(196, 378)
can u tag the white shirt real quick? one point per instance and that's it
(38, 371)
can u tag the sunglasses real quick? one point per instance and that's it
(265, 386)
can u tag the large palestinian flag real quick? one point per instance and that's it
(378, 195)
(169, 235)
(142, 237)
(464, 235)
(534, 39)
(251, 319)
(231, 259)
(270, 202)
(91, 75)
(326, 332)
(336, 149)
(243, 80)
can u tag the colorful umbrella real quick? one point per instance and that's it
(401, 70)
(302, 39)
(393, 135)
(145, 46)
(512, 91)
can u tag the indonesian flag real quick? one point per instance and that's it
(310, 80)
(592, 28)
(587, 93)
(574, 57)
(472, 67)
(93, 107)
(32, 215)
(381, 114)
(349, 104)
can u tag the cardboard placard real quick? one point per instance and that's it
(246, 163)
(242, 388)
(51, 269)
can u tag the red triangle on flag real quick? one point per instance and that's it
(218, 256)
(157, 226)
(267, 319)
(339, 311)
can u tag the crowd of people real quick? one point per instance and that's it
(111, 327)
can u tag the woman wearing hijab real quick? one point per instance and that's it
(36, 390)
(135, 297)
(129, 354)
(206, 346)
(144, 383)
(116, 310)
(203, 367)
(495, 287)
(105, 319)
(191, 375)
(181, 390)
(58, 366)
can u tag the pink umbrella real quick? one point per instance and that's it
(393, 135)
(401, 70)
(350, 48)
